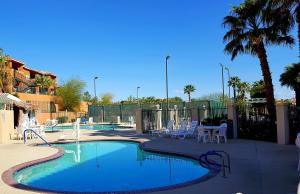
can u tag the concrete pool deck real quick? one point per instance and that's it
(257, 167)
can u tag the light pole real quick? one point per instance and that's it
(137, 94)
(228, 72)
(223, 95)
(96, 77)
(167, 90)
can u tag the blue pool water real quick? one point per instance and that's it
(88, 127)
(107, 166)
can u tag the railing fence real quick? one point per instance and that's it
(254, 123)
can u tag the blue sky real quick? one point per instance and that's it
(124, 42)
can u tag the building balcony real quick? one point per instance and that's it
(20, 76)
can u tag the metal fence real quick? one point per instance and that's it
(294, 122)
(158, 118)
(254, 123)
(123, 112)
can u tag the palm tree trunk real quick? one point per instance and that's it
(189, 97)
(262, 55)
(297, 92)
(234, 94)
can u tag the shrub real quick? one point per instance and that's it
(62, 119)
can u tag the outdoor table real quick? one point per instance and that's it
(211, 129)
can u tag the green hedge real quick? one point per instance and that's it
(62, 119)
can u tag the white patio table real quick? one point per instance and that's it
(211, 129)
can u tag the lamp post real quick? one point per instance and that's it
(167, 89)
(222, 67)
(96, 77)
(137, 94)
(228, 73)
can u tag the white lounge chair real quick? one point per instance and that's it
(90, 121)
(168, 130)
(51, 123)
(222, 133)
(181, 131)
(190, 132)
(202, 135)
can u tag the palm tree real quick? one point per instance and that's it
(234, 82)
(243, 88)
(294, 9)
(188, 89)
(43, 81)
(291, 78)
(258, 89)
(252, 26)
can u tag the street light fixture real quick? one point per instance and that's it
(167, 90)
(223, 94)
(137, 94)
(96, 77)
(228, 73)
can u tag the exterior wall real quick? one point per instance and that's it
(84, 107)
(6, 125)
(34, 97)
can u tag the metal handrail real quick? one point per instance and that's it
(36, 135)
(209, 163)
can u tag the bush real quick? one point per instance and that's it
(62, 119)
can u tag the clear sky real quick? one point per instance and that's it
(124, 42)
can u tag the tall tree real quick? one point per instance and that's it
(243, 88)
(252, 26)
(86, 97)
(70, 93)
(6, 78)
(258, 89)
(234, 82)
(291, 78)
(294, 9)
(107, 98)
(188, 89)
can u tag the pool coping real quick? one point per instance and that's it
(8, 178)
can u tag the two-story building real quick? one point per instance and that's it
(25, 79)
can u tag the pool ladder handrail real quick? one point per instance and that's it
(24, 136)
(209, 163)
(53, 126)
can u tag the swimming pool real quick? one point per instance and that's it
(89, 127)
(109, 166)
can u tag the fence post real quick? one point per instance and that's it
(232, 115)
(195, 116)
(282, 123)
(103, 114)
(158, 117)
(138, 120)
(176, 117)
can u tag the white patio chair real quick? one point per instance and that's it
(202, 135)
(222, 133)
